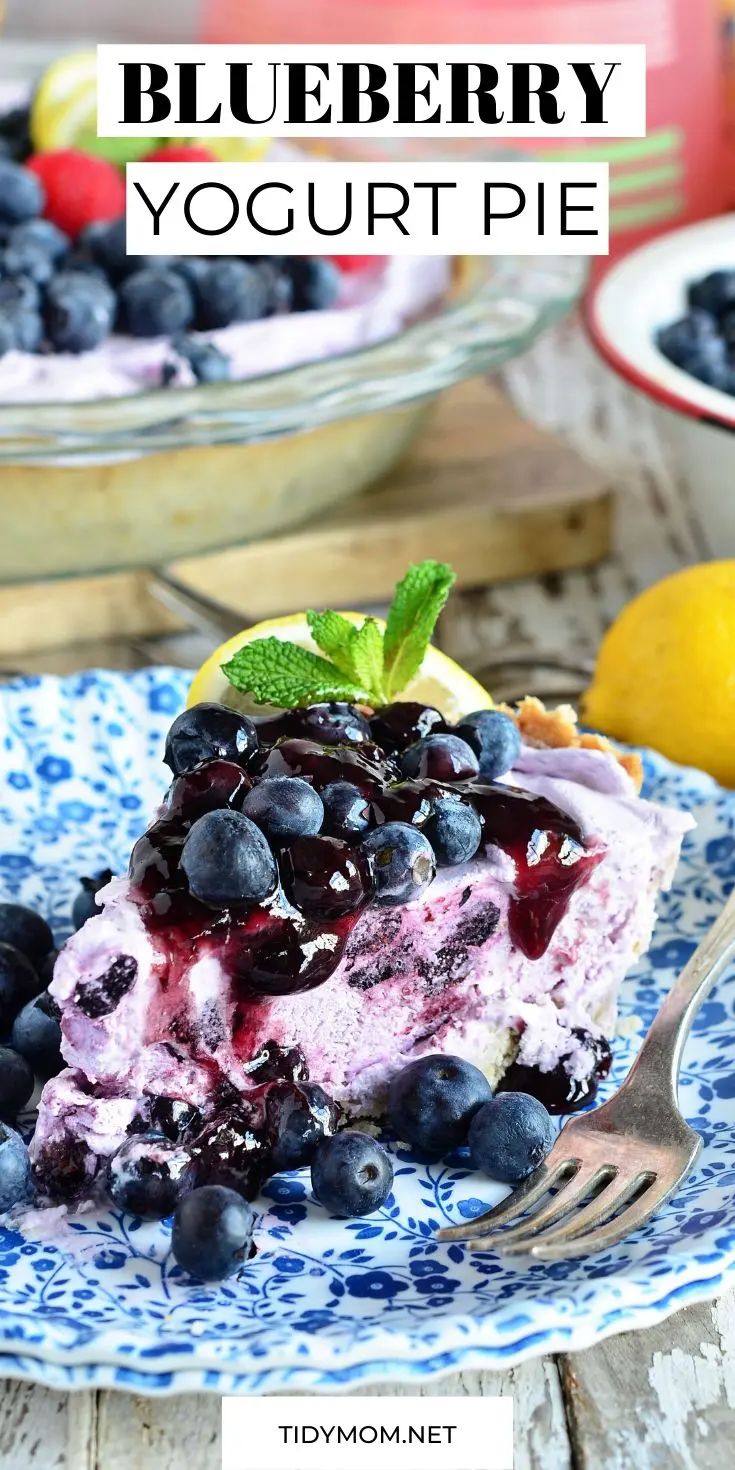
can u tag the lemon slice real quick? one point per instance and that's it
(64, 112)
(440, 681)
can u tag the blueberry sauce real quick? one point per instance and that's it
(559, 1092)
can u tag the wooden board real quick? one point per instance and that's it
(483, 489)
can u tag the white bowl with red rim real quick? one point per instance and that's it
(645, 291)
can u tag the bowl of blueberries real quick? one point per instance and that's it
(664, 319)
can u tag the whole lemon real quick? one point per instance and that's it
(665, 674)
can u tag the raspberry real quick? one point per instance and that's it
(180, 153)
(350, 263)
(80, 189)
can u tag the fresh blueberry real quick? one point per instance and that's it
(21, 193)
(398, 725)
(26, 931)
(351, 1175)
(27, 259)
(43, 235)
(454, 831)
(209, 732)
(402, 862)
(315, 282)
(16, 1181)
(7, 336)
(694, 344)
(19, 983)
(148, 1175)
(433, 1100)
(227, 860)
(155, 303)
(36, 1035)
(332, 723)
(346, 810)
(207, 362)
(297, 1119)
(495, 738)
(509, 1136)
(85, 904)
(46, 968)
(277, 285)
(16, 1082)
(102, 245)
(714, 293)
(80, 311)
(212, 1232)
(440, 758)
(285, 807)
(230, 291)
(193, 268)
(20, 312)
(325, 878)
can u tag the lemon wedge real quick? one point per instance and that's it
(64, 112)
(440, 681)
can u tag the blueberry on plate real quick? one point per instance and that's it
(395, 726)
(27, 259)
(495, 738)
(209, 732)
(148, 1175)
(21, 193)
(80, 311)
(402, 862)
(155, 303)
(325, 877)
(315, 282)
(25, 930)
(285, 807)
(212, 1232)
(347, 812)
(230, 291)
(16, 1181)
(227, 860)
(433, 1100)
(297, 1119)
(440, 758)
(36, 1035)
(510, 1136)
(352, 1174)
(454, 831)
(85, 904)
(19, 982)
(16, 1082)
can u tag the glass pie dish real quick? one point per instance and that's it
(140, 480)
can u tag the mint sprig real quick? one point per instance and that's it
(362, 664)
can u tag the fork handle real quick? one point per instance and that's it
(659, 1058)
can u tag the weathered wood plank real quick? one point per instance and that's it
(661, 1399)
(135, 1433)
(41, 1430)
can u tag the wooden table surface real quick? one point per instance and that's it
(663, 1399)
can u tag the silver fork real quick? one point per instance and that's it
(611, 1168)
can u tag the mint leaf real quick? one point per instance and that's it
(273, 671)
(366, 655)
(416, 605)
(334, 635)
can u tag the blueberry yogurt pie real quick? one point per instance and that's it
(334, 889)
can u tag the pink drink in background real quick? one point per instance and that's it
(676, 173)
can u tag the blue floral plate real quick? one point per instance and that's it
(329, 1304)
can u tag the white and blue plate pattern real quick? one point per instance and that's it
(329, 1304)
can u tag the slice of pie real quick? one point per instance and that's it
(354, 953)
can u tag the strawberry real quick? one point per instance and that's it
(80, 188)
(180, 153)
